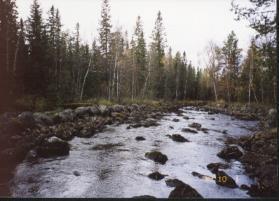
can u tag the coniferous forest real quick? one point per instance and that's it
(43, 65)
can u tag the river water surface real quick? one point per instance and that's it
(120, 170)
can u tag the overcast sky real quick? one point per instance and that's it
(189, 24)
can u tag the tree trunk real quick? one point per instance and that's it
(15, 57)
(215, 90)
(84, 79)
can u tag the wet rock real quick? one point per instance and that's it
(156, 176)
(188, 130)
(140, 138)
(214, 167)
(175, 120)
(157, 156)
(178, 138)
(27, 118)
(211, 112)
(231, 152)
(171, 127)
(106, 146)
(173, 182)
(53, 146)
(144, 197)
(223, 179)
(204, 130)
(85, 133)
(195, 125)
(201, 176)
(150, 122)
(184, 191)
(186, 117)
(76, 173)
(43, 119)
(212, 118)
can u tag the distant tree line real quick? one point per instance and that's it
(41, 62)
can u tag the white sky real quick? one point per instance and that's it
(189, 24)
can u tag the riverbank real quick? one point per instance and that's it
(260, 149)
(44, 131)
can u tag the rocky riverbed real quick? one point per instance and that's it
(142, 134)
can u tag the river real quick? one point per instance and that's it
(120, 169)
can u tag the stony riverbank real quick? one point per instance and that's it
(260, 149)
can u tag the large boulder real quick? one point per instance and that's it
(223, 179)
(53, 146)
(64, 116)
(43, 119)
(231, 152)
(27, 118)
(173, 182)
(157, 156)
(94, 110)
(183, 190)
(82, 111)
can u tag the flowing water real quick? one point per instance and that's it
(120, 168)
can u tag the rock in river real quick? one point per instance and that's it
(214, 167)
(76, 173)
(178, 138)
(157, 156)
(53, 146)
(175, 120)
(183, 190)
(156, 176)
(223, 179)
(195, 125)
(231, 152)
(188, 130)
(140, 138)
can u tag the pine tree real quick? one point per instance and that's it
(232, 55)
(37, 71)
(8, 44)
(157, 50)
(104, 40)
(140, 57)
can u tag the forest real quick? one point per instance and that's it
(42, 66)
